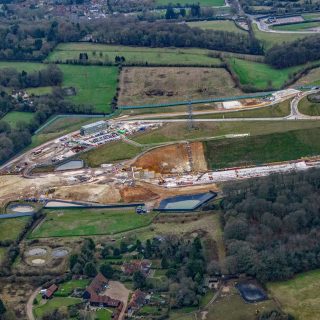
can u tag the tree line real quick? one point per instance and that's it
(167, 34)
(50, 76)
(271, 225)
(294, 53)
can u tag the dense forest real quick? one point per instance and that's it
(271, 225)
(294, 53)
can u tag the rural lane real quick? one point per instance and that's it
(29, 306)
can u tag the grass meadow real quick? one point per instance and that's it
(85, 222)
(14, 117)
(139, 55)
(262, 149)
(302, 26)
(11, 228)
(260, 75)
(300, 295)
(220, 25)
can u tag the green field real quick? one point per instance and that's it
(109, 153)
(14, 117)
(55, 303)
(95, 85)
(300, 295)
(180, 131)
(221, 25)
(85, 222)
(309, 108)
(270, 39)
(11, 228)
(203, 3)
(262, 149)
(260, 75)
(302, 26)
(107, 53)
(66, 288)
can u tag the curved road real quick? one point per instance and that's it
(265, 28)
(29, 307)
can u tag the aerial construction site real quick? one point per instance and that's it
(57, 170)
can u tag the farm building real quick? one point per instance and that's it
(48, 293)
(93, 294)
(94, 127)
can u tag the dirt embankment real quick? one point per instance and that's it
(137, 194)
(175, 158)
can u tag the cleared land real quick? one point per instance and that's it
(15, 116)
(155, 85)
(262, 149)
(39, 91)
(309, 108)
(107, 53)
(300, 295)
(59, 128)
(297, 26)
(203, 3)
(222, 25)
(95, 85)
(84, 222)
(11, 228)
(109, 153)
(173, 158)
(260, 75)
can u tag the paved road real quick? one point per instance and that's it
(265, 28)
(295, 114)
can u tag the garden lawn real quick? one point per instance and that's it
(14, 117)
(11, 228)
(66, 288)
(300, 295)
(55, 303)
(103, 314)
(259, 75)
(107, 53)
(262, 149)
(85, 222)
